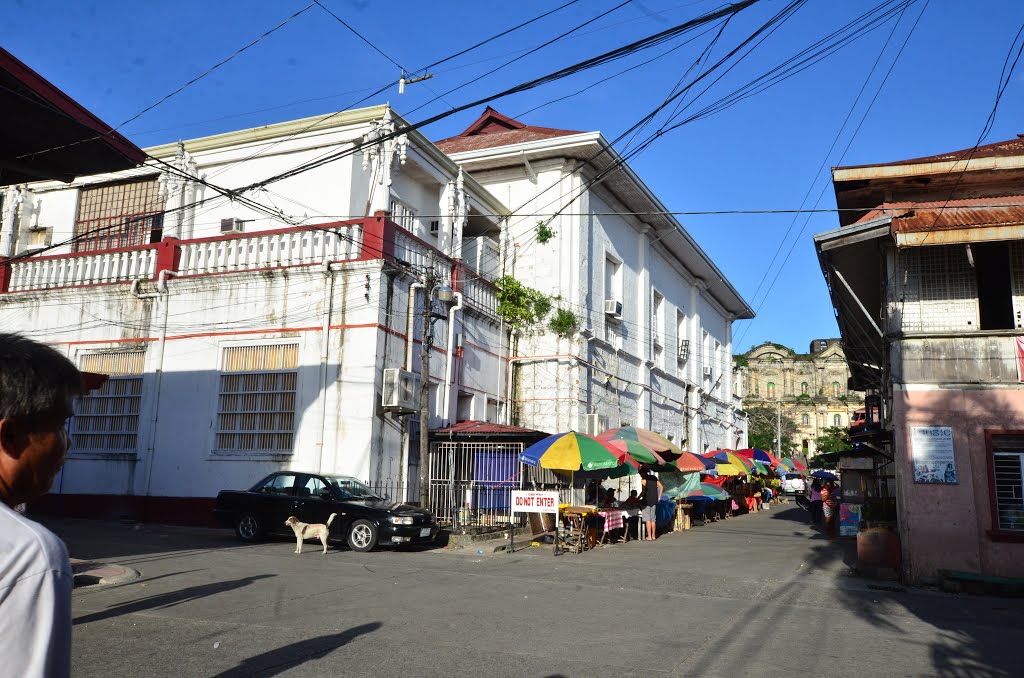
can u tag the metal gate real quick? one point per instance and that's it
(471, 483)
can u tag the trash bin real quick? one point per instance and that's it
(878, 552)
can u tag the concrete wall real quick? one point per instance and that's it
(207, 313)
(945, 526)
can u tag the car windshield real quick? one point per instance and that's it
(350, 488)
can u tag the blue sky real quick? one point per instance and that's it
(763, 153)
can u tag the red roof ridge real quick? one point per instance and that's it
(494, 129)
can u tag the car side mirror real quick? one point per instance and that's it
(326, 494)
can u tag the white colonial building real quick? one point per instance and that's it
(278, 325)
(652, 346)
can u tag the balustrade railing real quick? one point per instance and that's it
(42, 273)
(272, 250)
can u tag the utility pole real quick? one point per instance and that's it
(427, 341)
(778, 427)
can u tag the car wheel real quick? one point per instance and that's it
(249, 528)
(362, 536)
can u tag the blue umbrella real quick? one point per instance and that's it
(824, 475)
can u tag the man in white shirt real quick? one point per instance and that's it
(36, 387)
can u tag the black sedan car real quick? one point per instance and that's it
(365, 519)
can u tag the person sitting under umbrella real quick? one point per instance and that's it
(608, 498)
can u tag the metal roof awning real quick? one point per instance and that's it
(852, 262)
(45, 134)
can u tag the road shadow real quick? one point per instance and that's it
(170, 598)
(282, 659)
(974, 635)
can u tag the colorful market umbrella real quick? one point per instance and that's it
(724, 469)
(689, 462)
(758, 455)
(707, 492)
(794, 464)
(730, 457)
(647, 447)
(572, 452)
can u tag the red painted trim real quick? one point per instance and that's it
(995, 533)
(193, 511)
(5, 276)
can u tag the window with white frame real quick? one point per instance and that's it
(1008, 481)
(256, 407)
(612, 278)
(682, 344)
(402, 214)
(107, 419)
(837, 420)
(805, 419)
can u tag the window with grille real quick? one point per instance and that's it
(119, 215)
(256, 407)
(1008, 479)
(107, 419)
(805, 420)
(837, 420)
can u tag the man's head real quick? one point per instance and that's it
(36, 387)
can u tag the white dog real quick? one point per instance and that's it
(309, 531)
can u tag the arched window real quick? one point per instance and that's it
(837, 420)
(771, 389)
(835, 389)
(803, 388)
(805, 420)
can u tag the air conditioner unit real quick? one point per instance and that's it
(709, 373)
(684, 350)
(401, 391)
(231, 225)
(595, 423)
(613, 308)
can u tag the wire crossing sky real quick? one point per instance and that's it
(733, 156)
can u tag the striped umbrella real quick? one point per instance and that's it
(572, 452)
(758, 455)
(647, 447)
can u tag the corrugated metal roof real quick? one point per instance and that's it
(999, 149)
(486, 428)
(914, 217)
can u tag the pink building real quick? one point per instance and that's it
(926, 274)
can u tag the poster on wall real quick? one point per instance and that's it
(932, 453)
(849, 519)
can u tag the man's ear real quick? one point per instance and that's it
(11, 437)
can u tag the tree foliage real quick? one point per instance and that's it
(761, 430)
(521, 306)
(834, 439)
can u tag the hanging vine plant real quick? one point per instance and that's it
(521, 306)
(564, 323)
(544, 232)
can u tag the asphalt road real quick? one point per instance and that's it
(759, 595)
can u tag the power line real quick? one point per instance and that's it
(180, 89)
